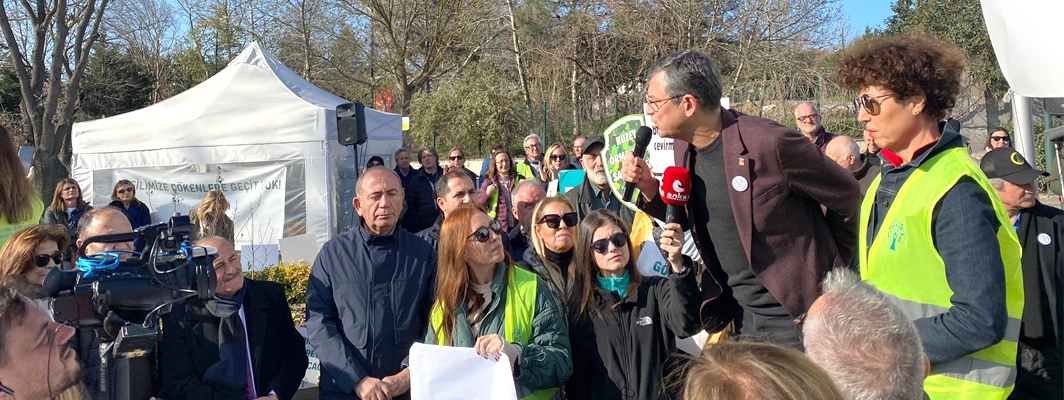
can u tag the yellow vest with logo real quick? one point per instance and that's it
(493, 201)
(518, 312)
(903, 263)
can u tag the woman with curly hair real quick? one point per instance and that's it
(933, 233)
(209, 219)
(125, 199)
(33, 252)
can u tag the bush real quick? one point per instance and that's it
(292, 275)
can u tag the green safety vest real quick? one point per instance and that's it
(903, 263)
(524, 169)
(493, 202)
(519, 310)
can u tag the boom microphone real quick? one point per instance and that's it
(642, 140)
(675, 191)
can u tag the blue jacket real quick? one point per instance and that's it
(137, 213)
(368, 301)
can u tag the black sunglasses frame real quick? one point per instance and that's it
(554, 221)
(483, 234)
(602, 246)
(456, 158)
(41, 260)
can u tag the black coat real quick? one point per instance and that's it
(532, 262)
(583, 197)
(420, 199)
(627, 353)
(1040, 349)
(189, 346)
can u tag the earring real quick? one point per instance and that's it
(916, 112)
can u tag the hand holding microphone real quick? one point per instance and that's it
(639, 167)
(675, 191)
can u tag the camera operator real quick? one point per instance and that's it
(98, 221)
(35, 359)
(267, 360)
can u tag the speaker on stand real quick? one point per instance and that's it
(351, 127)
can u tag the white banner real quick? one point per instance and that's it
(256, 195)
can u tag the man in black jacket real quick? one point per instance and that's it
(241, 345)
(420, 209)
(1040, 229)
(368, 297)
(454, 189)
(595, 192)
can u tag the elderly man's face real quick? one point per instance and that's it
(379, 201)
(106, 223)
(40, 360)
(577, 144)
(807, 119)
(1018, 197)
(534, 149)
(403, 160)
(227, 268)
(527, 199)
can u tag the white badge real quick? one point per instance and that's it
(739, 184)
(1044, 239)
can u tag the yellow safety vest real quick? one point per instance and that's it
(903, 263)
(518, 312)
(493, 202)
(524, 169)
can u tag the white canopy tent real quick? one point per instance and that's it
(256, 130)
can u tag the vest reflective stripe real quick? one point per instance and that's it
(518, 312)
(493, 201)
(903, 253)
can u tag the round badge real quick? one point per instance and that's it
(739, 184)
(1044, 239)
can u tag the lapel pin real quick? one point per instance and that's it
(739, 183)
(1044, 239)
(742, 160)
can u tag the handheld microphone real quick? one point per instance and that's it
(642, 140)
(675, 191)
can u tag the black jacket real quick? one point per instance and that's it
(532, 262)
(1039, 372)
(627, 353)
(51, 217)
(368, 301)
(583, 197)
(421, 209)
(189, 346)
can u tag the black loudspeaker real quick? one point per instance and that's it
(351, 124)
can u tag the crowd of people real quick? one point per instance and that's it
(894, 267)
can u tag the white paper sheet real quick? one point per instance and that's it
(458, 373)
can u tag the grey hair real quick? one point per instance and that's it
(527, 183)
(997, 183)
(864, 342)
(532, 136)
(809, 103)
(691, 72)
(849, 148)
(380, 169)
(402, 150)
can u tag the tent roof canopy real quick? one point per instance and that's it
(255, 99)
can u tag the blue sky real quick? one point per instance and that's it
(862, 13)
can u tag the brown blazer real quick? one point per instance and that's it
(797, 218)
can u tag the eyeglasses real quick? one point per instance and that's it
(533, 146)
(999, 138)
(870, 104)
(124, 191)
(41, 260)
(809, 118)
(456, 158)
(502, 162)
(601, 246)
(557, 157)
(655, 105)
(483, 234)
(553, 220)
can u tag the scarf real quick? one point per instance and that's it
(619, 285)
(232, 369)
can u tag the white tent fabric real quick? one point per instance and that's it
(1025, 36)
(255, 113)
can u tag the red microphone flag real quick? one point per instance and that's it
(676, 186)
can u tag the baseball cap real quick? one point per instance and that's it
(1005, 163)
(592, 141)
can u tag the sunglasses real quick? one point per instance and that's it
(483, 234)
(870, 104)
(124, 191)
(999, 138)
(556, 157)
(553, 220)
(456, 158)
(41, 260)
(601, 246)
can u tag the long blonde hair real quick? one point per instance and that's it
(549, 173)
(16, 192)
(555, 271)
(57, 198)
(749, 370)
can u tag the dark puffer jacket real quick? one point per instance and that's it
(532, 262)
(421, 204)
(138, 213)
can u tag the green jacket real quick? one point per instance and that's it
(545, 361)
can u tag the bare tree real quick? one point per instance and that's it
(49, 54)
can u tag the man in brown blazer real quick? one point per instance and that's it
(769, 212)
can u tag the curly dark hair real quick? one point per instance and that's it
(906, 65)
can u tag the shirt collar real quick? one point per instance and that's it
(370, 238)
(948, 136)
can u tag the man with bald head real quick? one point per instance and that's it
(369, 296)
(808, 119)
(847, 153)
(242, 344)
(104, 221)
